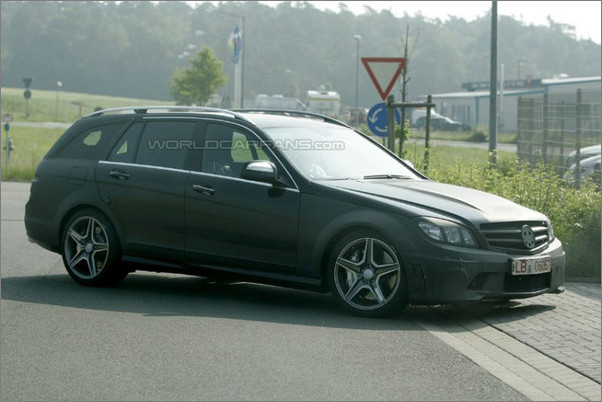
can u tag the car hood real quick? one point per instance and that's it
(464, 203)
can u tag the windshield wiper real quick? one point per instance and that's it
(386, 176)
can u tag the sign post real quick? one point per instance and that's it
(8, 147)
(392, 107)
(27, 94)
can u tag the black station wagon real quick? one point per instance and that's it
(285, 198)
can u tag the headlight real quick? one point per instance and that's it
(447, 232)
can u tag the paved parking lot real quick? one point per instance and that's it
(566, 329)
(547, 347)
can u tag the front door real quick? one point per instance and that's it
(232, 221)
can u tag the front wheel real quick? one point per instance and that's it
(90, 250)
(366, 276)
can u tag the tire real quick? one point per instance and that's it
(366, 276)
(90, 250)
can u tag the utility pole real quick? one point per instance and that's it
(493, 87)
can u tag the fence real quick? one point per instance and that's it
(551, 126)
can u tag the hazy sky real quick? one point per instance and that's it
(583, 15)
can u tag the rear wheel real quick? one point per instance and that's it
(366, 276)
(90, 250)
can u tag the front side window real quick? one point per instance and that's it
(228, 148)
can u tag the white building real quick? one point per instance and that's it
(472, 107)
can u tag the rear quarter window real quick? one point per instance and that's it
(90, 144)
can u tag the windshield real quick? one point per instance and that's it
(336, 153)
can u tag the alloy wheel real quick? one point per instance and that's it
(86, 247)
(367, 274)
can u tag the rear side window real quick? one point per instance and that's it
(92, 143)
(160, 143)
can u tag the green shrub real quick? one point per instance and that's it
(478, 136)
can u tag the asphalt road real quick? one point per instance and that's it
(169, 337)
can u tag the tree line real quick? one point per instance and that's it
(134, 48)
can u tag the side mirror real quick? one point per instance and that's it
(263, 171)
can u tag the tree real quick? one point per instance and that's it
(292, 89)
(405, 41)
(130, 48)
(196, 84)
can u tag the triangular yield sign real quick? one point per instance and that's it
(384, 71)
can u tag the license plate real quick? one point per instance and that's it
(531, 266)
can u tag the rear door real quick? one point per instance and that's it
(143, 182)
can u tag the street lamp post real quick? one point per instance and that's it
(358, 39)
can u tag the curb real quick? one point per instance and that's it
(530, 372)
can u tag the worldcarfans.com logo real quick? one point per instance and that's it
(297, 144)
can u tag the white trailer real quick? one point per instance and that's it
(324, 102)
(264, 101)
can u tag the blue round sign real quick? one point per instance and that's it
(377, 119)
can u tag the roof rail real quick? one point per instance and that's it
(156, 108)
(296, 113)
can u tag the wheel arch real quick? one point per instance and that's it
(75, 253)
(393, 297)
(379, 223)
(336, 238)
(69, 213)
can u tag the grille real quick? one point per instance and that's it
(508, 235)
(479, 281)
(527, 283)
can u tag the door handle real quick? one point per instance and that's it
(203, 189)
(119, 174)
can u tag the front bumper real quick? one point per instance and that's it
(455, 275)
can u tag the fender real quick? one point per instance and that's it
(319, 232)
